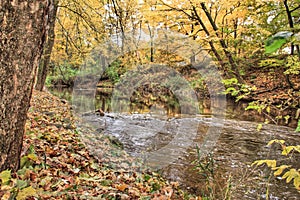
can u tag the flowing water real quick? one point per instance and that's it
(167, 141)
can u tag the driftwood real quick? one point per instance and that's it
(97, 112)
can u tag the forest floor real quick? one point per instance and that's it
(56, 164)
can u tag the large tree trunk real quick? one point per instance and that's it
(22, 35)
(45, 60)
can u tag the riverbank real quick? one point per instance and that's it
(56, 164)
(275, 112)
(267, 95)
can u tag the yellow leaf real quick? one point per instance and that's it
(259, 127)
(32, 157)
(297, 182)
(280, 169)
(290, 175)
(257, 162)
(268, 109)
(270, 163)
(122, 187)
(287, 150)
(26, 192)
(5, 176)
(297, 148)
(276, 141)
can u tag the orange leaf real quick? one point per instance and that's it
(122, 187)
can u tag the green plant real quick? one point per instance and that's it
(298, 126)
(293, 65)
(198, 83)
(236, 89)
(271, 62)
(264, 108)
(113, 71)
(274, 112)
(291, 174)
(205, 166)
(65, 73)
(276, 41)
(215, 187)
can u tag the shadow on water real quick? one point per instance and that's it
(144, 128)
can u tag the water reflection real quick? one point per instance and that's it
(156, 104)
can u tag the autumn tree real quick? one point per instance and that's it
(121, 17)
(23, 30)
(45, 60)
(79, 28)
(204, 20)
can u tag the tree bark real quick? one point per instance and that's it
(23, 30)
(45, 60)
(151, 44)
(291, 24)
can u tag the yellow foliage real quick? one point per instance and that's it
(83, 24)
(276, 141)
(79, 28)
(291, 174)
(280, 169)
(5, 177)
(32, 157)
(26, 192)
(270, 163)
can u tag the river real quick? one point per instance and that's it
(168, 142)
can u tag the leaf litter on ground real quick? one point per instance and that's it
(58, 162)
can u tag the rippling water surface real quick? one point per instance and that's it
(237, 147)
(173, 139)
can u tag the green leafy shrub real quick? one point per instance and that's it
(62, 74)
(275, 113)
(278, 40)
(293, 65)
(275, 42)
(236, 89)
(113, 71)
